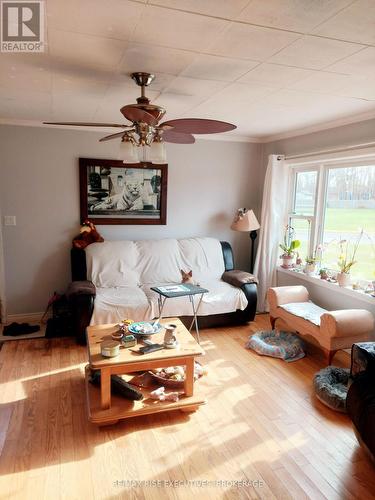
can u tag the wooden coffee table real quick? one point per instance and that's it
(105, 408)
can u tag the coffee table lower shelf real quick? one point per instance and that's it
(124, 408)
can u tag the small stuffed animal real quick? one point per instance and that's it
(87, 235)
(187, 277)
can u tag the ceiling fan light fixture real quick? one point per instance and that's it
(158, 152)
(128, 151)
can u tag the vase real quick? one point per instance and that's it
(287, 261)
(343, 279)
(309, 268)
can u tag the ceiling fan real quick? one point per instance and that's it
(145, 129)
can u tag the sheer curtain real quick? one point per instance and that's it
(275, 194)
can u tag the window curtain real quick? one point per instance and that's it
(275, 195)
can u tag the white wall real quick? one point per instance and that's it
(207, 182)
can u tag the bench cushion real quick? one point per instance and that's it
(306, 310)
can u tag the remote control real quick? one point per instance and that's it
(151, 348)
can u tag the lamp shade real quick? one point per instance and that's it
(245, 220)
(158, 152)
(128, 152)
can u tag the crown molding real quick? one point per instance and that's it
(318, 128)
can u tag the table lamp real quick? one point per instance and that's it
(246, 221)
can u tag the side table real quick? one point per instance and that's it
(181, 290)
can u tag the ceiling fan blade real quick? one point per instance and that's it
(198, 126)
(112, 136)
(87, 124)
(135, 114)
(178, 137)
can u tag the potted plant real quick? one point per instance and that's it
(310, 263)
(311, 260)
(288, 247)
(323, 273)
(347, 259)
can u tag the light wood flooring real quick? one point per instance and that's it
(261, 426)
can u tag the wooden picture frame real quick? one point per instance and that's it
(114, 193)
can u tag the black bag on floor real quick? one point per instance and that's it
(61, 323)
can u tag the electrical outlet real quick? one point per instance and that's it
(9, 220)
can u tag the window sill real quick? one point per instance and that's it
(345, 291)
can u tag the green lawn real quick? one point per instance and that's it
(344, 219)
(346, 223)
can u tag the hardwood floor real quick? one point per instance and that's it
(261, 427)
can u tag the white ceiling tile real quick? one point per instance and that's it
(356, 23)
(154, 59)
(77, 107)
(160, 82)
(295, 15)
(218, 68)
(234, 98)
(275, 75)
(360, 87)
(177, 105)
(71, 84)
(183, 85)
(314, 52)
(26, 104)
(356, 86)
(362, 63)
(217, 8)
(109, 18)
(177, 29)
(20, 74)
(250, 42)
(322, 81)
(86, 51)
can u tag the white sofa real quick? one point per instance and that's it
(123, 273)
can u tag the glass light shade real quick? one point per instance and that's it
(157, 153)
(245, 220)
(128, 152)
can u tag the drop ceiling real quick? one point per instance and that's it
(272, 67)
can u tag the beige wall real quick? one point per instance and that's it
(347, 135)
(207, 182)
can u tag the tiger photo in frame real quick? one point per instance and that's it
(114, 193)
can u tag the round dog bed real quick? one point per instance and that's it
(284, 345)
(331, 387)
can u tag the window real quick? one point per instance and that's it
(333, 201)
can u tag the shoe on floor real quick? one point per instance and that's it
(15, 329)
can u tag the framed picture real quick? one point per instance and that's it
(114, 193)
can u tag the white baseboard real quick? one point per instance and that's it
(24, 318)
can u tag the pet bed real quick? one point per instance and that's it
(331, 387)
(277, 344)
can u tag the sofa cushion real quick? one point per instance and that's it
(112, 264)
(159, 261)
(114, 304)
(203, 256)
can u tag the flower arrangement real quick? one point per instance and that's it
(316, 255)
(289, 245)
(347, 254)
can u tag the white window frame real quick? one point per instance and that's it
(322, 165)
